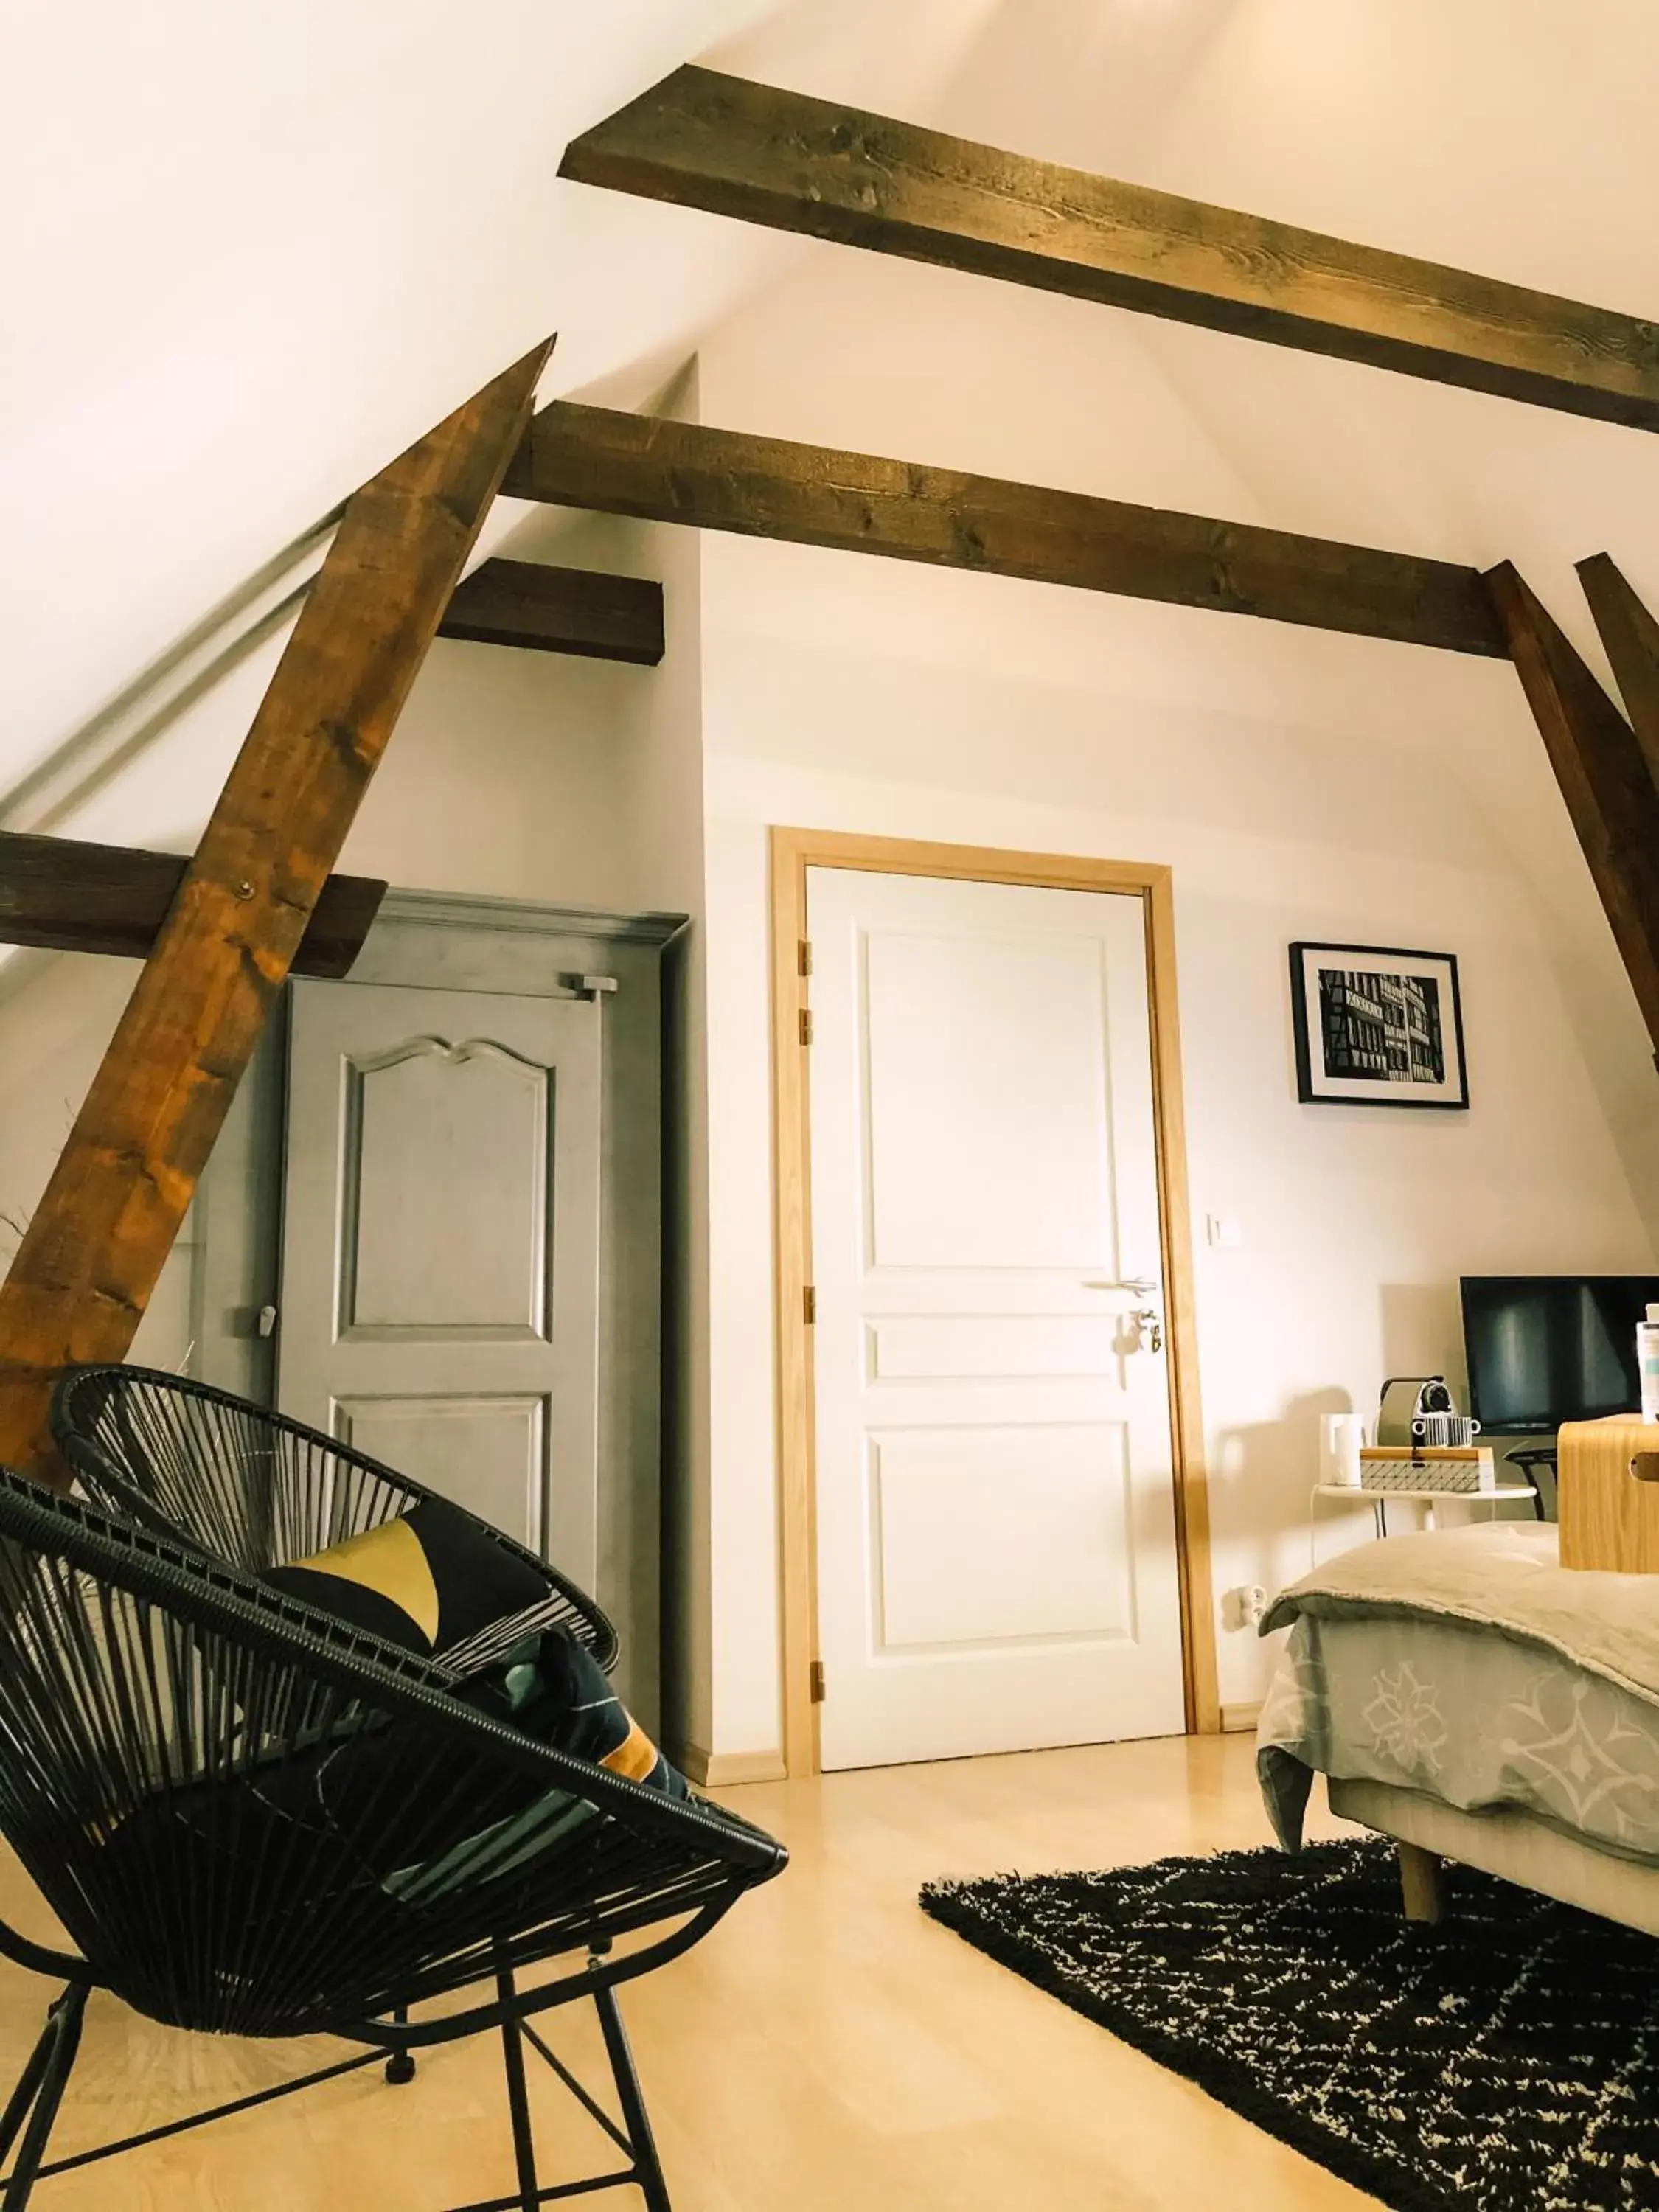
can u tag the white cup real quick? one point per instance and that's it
(1445, 1431)
(1340, 1436)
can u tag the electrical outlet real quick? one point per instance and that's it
(1244, 1606)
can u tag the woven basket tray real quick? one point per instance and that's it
(1457, 1477)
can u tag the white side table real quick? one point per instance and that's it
(1379, 1499)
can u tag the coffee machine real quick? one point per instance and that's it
(1406, 1399)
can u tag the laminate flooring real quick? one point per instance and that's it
(828, 2047)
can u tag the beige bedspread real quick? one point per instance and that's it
(1470, 1665)
(1504, 1575)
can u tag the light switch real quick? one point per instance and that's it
(1224, 1231)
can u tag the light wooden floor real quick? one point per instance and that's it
(828, 2047)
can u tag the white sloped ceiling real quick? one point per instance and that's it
(252, 252)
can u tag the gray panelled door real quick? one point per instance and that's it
(440, 1246)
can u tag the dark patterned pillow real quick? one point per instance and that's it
(551, 1687)
(423, 1581)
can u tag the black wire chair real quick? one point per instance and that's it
(256, 1490)
(253, 1820)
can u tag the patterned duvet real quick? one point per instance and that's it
(1469, 1665)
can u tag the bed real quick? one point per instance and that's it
(1468, 1697)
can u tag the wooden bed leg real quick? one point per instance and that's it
(1419, 1883)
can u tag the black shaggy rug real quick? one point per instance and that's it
(1506, 2061)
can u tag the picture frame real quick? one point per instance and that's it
(1377, 1025)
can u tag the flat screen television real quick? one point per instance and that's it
(1545, 1349)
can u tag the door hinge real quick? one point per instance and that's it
(807, 1025)
(803, 957)
(815, 1680)
(809, 1298)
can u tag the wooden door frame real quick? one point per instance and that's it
(793, 853)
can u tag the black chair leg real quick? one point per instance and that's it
(400, 2067)
(631, 2098)
(518, 2101)
(55, 2051)
(22, 2097)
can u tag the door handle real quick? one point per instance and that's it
(1149, 1318)
(1138, 1286)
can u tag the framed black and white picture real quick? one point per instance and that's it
(1376, 1026)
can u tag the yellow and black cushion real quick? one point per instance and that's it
(434, 1578)
(552, 1688)
(423, 1581)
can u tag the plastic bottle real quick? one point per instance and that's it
(1647, 1363)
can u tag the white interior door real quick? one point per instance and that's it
(995, 1513)
(441, 1242)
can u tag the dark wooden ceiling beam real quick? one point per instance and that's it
(1603, 775)
(65, 895)
(547, 610)
(90, 1256)
(1630, 637)
(700, 139)
(669, 471)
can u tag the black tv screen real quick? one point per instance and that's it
(1545, 1349)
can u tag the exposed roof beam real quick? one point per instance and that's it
(526, 602)
(67, 897)
(669, 471)
(90, 1256)
(1603, 777)
(1631, 636)
(703, 140)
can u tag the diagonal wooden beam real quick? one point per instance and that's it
(700, 139)
(1630, 637)
(1603, 778)
(547, 609)
(69, 897)
(88, 1260)
(668, 471)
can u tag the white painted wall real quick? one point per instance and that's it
(1299, 785)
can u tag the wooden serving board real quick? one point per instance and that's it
(1608, 1476)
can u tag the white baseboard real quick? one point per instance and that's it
(1240, 1720)
(727, 1770)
